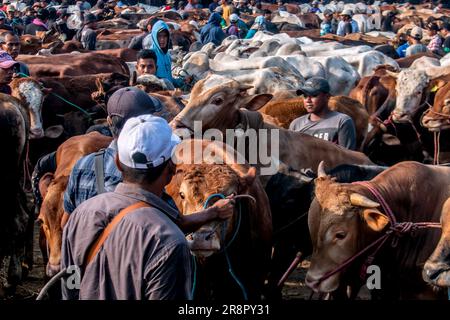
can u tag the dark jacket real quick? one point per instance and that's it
(212, 32)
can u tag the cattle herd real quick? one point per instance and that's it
(385, 205)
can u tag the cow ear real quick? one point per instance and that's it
(248, 179)
(44, 183)
(256, 102)
(390, 140)
(436, 84)
(375, 219)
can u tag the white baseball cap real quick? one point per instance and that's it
(146, 142)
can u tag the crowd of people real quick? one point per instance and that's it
(137, 164)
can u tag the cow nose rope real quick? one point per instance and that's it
(23, 75)
(397, 229)
(230, 268)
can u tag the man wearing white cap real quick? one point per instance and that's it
(143, 254)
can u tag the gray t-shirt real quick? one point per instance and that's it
(334, 127)
(146, 256)
(415, 48)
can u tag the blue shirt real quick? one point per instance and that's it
(340, 29)
(401, 50)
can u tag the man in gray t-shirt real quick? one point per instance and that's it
(321, 122)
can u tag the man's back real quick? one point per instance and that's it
(145, 256)
(335, 127)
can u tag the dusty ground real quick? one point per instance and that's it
(30, 288)
(294, 287)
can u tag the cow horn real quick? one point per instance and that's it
(392, 74)
(359, 200)
(321, 170)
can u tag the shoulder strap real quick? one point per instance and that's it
(95, 248)
(99, 171)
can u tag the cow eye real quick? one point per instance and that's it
(217, 101)
(340, 235)
(419, 93)
(182, 195)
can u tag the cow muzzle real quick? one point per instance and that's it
(204, 242)
(437, 274)
(51, 270)
(36, 133)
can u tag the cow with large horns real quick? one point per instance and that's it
(389, 222)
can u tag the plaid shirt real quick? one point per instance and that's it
(82, 183)
(435, 43)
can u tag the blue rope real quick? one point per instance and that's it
(194, 282)
(230, 268)
(220, 195)
(23, 75)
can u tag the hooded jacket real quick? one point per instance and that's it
(164, 62)
(212, 32)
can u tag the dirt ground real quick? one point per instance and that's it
(294, 287)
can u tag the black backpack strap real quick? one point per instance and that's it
(99, 171)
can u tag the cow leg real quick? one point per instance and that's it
(27, 263)
(283, 254)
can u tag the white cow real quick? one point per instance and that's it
(366, 62)
(341, 76)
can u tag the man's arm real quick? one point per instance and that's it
(347, 134)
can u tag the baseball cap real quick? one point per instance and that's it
(234, 17)
(416, 33)
(132, 102)
(6, 2)
(346, 12)
(6, 61)
(146, 142)
(89, 18)
(313, 86)
(328, 12)
(433, 26)
(10, 8)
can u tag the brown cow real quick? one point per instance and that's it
(245, 238)
(346, 218)
(219, 107)
(60, 65)
(437, 268)
(52, 206)
(438, 116)
(284, 112)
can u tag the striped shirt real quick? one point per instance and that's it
(435, 43)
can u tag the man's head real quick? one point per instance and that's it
(316, 92)
(90, 20)
(219, 10)
(445, 29)
(146, 62)
(7, 68)
(268, 14)
(42, 14)
(10, 11)
(415, 34)
(346, 14)
(432, 28)
(126, 103)
(328, 14)
(111, 3)
(234, 18)
(63, 14)
(29, 11)
(163, 39)
(224, 2)
(10, 43)
(145, 148)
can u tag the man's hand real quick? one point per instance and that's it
(224, 208)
